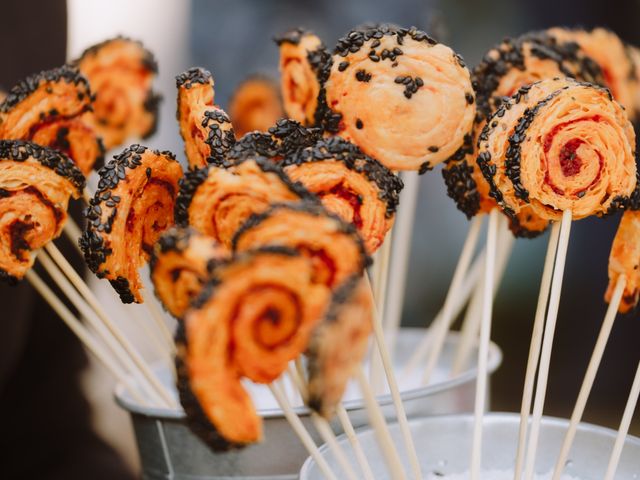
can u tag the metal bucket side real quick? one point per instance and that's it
(444, 447)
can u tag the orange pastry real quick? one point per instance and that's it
(35, 185)
(303, 59)
(121, 73)
(181, 263)
(338, 345)
(334, 247)
(558, 145)
(47, 108)
(255, 105)
(403, 98)
(512, 64)
(254, 317)
(350, 184)
(216, 201)
(205, 128)
(625, 260)
(133, 205)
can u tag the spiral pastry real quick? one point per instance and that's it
(255, 316)
(625, 260)
(216, 201)
(121, 73)
(255, 105)
(180, 264)
(512, 64)
(282, 140)
(47, 109)
(613, 57)
(338, 345)
(352, 185)
(558, 145)
(400, 96)
(131, 208)
(206, 129)
(35, 185)
(303, 61)
(334, 247)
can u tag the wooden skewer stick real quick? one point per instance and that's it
(395, 393)
(323, 428)
(534, 348)
(159, 319)
(627, 416)
(90, 315)
(590, 375)
(380, 278)
(301, 432)
(547, 344)
(469, 286)
(93, 302)
(84, 335)
(400, 250)
(298, 380)
(471, 322)
(379, 425)
(485, 340)
(73, 233)
(437, 334)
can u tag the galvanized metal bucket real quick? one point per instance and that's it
(168, 449)
(444, 448)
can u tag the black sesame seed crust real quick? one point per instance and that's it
(335, 148)
(20, 151)
(32, 83)
(197, 420)
(219, 140)
(192, 180)
(92, 241)
(148, 59)
(195, 75)
(353, 41)
(315, 209)
(458, 177)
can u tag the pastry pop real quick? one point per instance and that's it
(255, 316)
(181, 263)
(216, 201)
(559, 145)
(132, 206)
(121, 73)
(350, 184)
(624, 259)
(255, 105)
(48, 108)
(206, 129)
(35, 186)
(403, 98)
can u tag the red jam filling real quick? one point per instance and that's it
(353, 199)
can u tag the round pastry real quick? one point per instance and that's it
(121, 73)
(132, 206)
(35, 185)
(206, 129)
(180, 264)
(403, 98)
(612, 56)
(303, 58)
(512, 64)
(251, 320)
(334, 247)
(558, 145)
(255, 105)
(216, 201)
(350, 184)
(338, 345)
(625, 260)
(47, 109)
